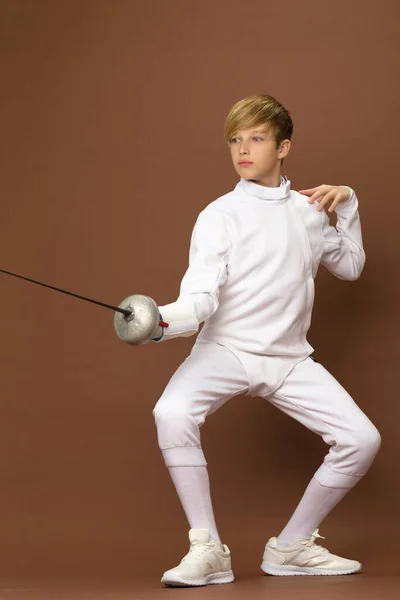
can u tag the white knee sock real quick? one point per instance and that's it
(193, 487)
(315, 505)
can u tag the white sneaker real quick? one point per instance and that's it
(305, 558)
(207, 562)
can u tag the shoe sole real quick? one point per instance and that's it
(290, 570)
(214, 579)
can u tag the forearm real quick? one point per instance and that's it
(349, 224)
(181, 318)
(185, 315)
(344, 253)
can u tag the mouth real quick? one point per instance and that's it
(245, 163)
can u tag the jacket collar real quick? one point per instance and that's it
(273, 195)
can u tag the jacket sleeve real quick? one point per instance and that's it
(343, 252)
(198, 299)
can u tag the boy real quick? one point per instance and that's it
(254, 255)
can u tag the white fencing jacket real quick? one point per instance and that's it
(254, 255)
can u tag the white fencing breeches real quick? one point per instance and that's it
(212, 374)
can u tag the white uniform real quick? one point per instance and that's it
(254, 255)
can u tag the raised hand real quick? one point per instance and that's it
(327, 195)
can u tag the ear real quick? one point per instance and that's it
(284, 148)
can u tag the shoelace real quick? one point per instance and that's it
(311, 543)
(196, 550)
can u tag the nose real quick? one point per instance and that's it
(243, 148)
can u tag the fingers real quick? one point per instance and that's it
(315, 193)
(325, 195)
(326, 200)
(318, 195)
(334, 204)
(307, 192)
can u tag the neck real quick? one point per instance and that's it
(273, 180)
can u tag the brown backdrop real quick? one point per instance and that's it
(112, 116)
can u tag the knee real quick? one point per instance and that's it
(366, 442)
(176, 425)
(168, 415)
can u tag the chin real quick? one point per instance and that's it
(247, 172)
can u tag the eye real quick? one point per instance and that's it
(258, 139)
(234, 140)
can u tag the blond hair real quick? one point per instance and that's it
(259, 110)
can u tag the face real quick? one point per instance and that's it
(256, 157)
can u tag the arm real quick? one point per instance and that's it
(343, 253)
(199, 291)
